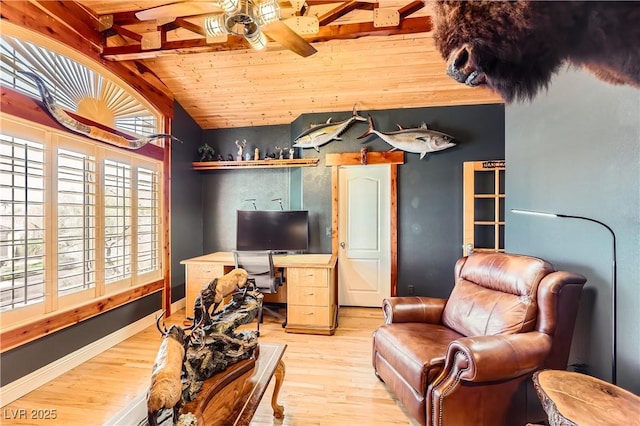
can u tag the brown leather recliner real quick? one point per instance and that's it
(466, 360)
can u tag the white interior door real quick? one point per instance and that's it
(364, 252)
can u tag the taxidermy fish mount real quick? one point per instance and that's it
(324, 133)
(61, 116)
(420, 140)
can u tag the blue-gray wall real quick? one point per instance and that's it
(429, 190)
(186, 198)
(576, 150)
(225, 191)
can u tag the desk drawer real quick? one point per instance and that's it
(308, 277)
(308, 296)
(205, 271)
(308, 315)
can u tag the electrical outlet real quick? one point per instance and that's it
(411, 290)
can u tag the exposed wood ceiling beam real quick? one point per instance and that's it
(321, 2)
(126, 18)
(330, 32)
(364, 29)
(410, 8)
(120, 30)
(75, 17)
(183, 23)
(126, 53)
(342, 10)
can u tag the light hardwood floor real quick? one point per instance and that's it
(329, 380)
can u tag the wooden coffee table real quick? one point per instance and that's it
(571, 399)
(232, 396)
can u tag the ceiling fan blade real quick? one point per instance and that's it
(174, 10)
(280, 32)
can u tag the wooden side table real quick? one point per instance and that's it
(574, 399)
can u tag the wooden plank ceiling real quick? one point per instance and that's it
(361, 59)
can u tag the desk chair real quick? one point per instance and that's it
(259, 267)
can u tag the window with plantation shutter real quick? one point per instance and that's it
(22, 222)
(76, 197)
(78, 221)
(81, 222)
(148, 249)
(117, 221)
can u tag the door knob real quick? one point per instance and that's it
(342, 244)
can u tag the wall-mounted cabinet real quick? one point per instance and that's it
(255, 164)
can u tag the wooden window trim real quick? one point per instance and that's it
(33, 330)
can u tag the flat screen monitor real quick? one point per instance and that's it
(277, 230)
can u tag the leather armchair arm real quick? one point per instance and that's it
(496, 358)
(413, 309)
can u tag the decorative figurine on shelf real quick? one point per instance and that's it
(247, 156)
(240, 145)
(206, 152)
(291, 152)
(219, 157)
(230, 157)
(256, 154)
(363, 155)
(280, 152)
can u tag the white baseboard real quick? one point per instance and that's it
(34, 380)
(180, 304)
(132, 414)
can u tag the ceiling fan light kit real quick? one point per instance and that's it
(244, 17)
(255, 37)
(267, 11)
(215, 25)
(231, 7)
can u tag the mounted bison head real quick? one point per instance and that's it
(515, 47)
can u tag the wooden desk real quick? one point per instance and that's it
(310, 280)
(571, 399)
(232, 396)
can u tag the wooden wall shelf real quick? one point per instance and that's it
(255, 164)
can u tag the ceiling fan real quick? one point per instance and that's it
(252, 19)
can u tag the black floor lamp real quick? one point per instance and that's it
(613, 278)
